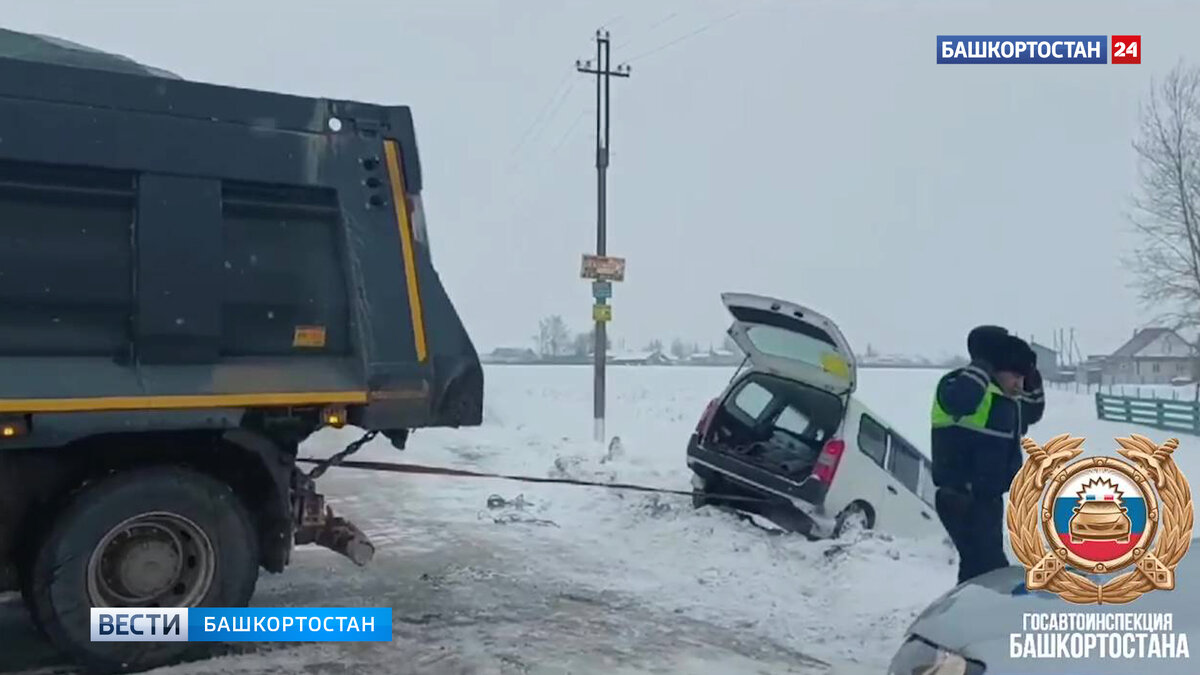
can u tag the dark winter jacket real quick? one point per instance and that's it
(981, 457)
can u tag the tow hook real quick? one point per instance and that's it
(316, 524)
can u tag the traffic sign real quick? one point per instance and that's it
(603, 268)
(601, 290)
(602, 313)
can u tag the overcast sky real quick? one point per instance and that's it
(813, 151)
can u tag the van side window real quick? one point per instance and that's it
(928, 489)
(872, 439)
(752, 400)
(794, 421)
(905, 463)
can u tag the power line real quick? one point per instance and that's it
(686, 9)
(567, 134)
(558, 94)
(670, 15)
(613, 21)
(688, 36)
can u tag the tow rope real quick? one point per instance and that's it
(399, 467)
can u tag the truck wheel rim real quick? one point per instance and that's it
(155, 559)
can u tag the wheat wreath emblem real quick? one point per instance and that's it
(1030, 520)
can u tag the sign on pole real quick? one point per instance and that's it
(601, 290)
(603, 268)
(602, 313)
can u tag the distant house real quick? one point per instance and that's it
(645, 358)
(1151, 356)
(716, 357)
(511, 355)
(659, 359)
(1091, 370)
(1047, 361)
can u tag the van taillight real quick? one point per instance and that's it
(706, 419)
(827, 462)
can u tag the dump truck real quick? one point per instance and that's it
(194, 279)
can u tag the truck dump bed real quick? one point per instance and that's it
(182, 253)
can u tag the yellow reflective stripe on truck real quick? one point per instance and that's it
(112, 403)
(399, 198)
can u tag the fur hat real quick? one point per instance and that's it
(1016, 356)
(986, 342)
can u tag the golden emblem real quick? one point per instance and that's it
(1100, 515)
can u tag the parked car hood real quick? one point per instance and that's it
(976, 619)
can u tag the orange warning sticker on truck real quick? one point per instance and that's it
(309, 336)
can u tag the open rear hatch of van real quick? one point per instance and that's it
(777, 429)
(792, 341)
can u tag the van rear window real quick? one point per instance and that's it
(787, 344)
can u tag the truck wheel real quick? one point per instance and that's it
(156, 537)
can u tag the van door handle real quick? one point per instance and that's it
(926, 516)
(892, 489)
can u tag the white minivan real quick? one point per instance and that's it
(787, 439)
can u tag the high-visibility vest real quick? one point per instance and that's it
(976, 421)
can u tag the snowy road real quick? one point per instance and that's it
(471, 599)
(586, 580)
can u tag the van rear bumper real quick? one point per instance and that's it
(807, 496)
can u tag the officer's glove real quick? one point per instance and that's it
(1033, 381)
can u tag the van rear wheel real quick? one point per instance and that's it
(853, 519)
(158, 537)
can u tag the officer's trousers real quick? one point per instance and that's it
(976, 526)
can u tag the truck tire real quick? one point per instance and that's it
(153, 537)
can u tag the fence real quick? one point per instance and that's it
(1160, 413)
(1143, 391)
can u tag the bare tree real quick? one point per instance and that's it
(582, 344)
(655, 346)
(1166, 213)
(585, 343)
(730, 346)
(553, 336)
(680, 350)
(1167, 210)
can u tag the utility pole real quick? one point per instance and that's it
(603, 71)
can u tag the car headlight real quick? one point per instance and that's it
(918, 657)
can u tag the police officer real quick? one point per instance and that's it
(980, 414)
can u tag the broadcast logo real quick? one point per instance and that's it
(1066, 49)
(256, 624)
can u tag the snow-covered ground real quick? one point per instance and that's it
(587, 580)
